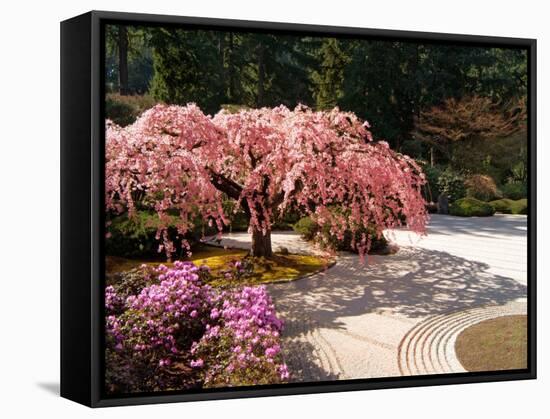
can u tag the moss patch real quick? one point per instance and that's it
(279, 268)
(216, 258)
(493, 345)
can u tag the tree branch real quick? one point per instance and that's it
(229, 187)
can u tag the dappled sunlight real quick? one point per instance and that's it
(499, 241)
(305, 361)
(414, 283)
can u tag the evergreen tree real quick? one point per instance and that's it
(186, 67)
(128, 59)
(328, 79)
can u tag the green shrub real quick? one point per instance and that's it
(471, 207)
(131, 282)
(308, 229)
(133, 237)
(124, 110)
(237, 222)
(514, 191)
(502, 206)
(377, 244)
(431, 188)
(497, 157)
(482, 187)
(136, 236)
(509, 206)
(287, 221)
(451, 183)
(523, 206)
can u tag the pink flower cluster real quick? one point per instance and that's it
(229, 337)
(113, 303)
(153, 320)
(267, 160)
(244, 332)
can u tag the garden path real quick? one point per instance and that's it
(400, 314)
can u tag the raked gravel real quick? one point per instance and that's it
(400, 314)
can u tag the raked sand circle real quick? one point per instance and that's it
(429, 347)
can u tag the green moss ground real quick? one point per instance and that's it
(279, 268)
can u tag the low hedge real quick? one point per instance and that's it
(509, 206)
(471, 207)
(514, 191)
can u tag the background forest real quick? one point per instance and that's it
(458, 110)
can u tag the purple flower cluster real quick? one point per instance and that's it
(178, 325)
(238, 269)
(244, 332)
(113, 302)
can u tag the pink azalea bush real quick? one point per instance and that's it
(178, 333)
(242, 341)
(269, 161)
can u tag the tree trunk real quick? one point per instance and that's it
(123, 60)
(261, 244)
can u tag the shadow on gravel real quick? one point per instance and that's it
(414, 282)
(299, 357)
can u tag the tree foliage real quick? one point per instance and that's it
(328, 80)
(139, 60)
(472, 117)
(269, 160)
(388, 82)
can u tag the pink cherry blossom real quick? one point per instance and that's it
(269, 160)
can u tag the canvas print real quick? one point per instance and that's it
(288, 208)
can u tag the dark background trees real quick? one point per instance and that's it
(396, 86)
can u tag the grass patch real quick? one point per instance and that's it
(493, 345)
(279, 268)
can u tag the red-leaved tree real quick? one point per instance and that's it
(269, 161)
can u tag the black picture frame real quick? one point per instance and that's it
(82, 218)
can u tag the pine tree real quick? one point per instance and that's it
(329, 78)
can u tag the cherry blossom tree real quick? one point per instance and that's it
(268, 161)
